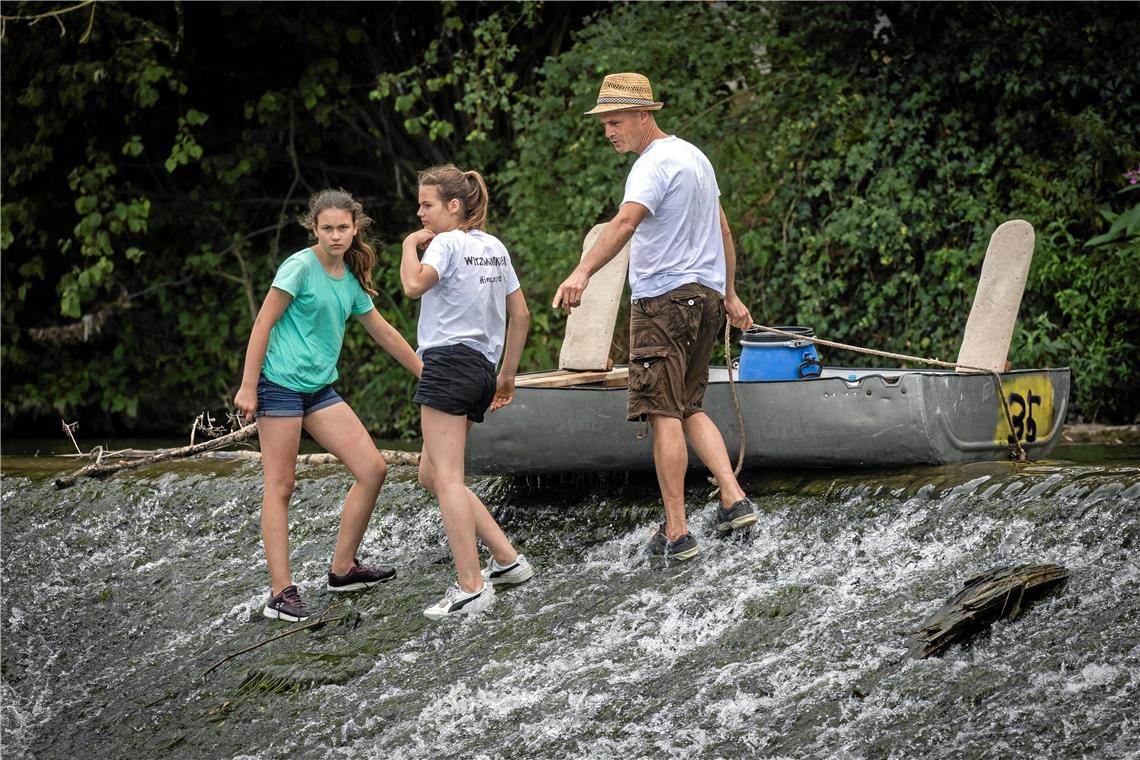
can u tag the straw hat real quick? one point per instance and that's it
(621, 92)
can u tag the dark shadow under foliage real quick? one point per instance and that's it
(155, 157)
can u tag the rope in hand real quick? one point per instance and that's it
(732, 392)
(1017, 453)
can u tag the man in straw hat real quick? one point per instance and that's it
(681, 273)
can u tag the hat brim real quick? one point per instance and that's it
(609, 107)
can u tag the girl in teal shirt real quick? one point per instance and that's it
(290, 365)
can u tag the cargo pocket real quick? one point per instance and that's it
(646, 369)
(686, 313)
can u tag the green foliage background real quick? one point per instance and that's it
(865, 154)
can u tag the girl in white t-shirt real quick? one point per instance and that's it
(471, 297)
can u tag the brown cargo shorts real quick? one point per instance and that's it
(671, 339)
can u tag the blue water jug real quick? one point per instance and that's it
(771, 356)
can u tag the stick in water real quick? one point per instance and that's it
(318, 622)
(99, 470)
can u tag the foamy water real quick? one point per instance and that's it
(785, 641)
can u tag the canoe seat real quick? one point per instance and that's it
(590, 326)
(561, 378)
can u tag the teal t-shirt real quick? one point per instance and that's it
(305, 343)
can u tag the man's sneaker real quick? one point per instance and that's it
(516, 572)
(684, 547)
(360, 576)
(287, 606)
(457, 602)
(740, 515)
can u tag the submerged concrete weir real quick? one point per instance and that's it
(118, 594)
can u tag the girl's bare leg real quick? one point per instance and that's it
(486, 528)
(340, 432)
(280, 439)
(445, 437)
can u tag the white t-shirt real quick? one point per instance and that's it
(679, 241)
(469, 303)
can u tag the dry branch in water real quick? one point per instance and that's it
(99, 469)
(390, 457)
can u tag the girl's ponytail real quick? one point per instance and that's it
(475, 217)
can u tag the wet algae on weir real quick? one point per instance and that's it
(118, 594)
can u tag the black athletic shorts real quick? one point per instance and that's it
(457, 380)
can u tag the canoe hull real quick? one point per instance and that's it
(880, 418)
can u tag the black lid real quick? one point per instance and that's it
(756, 335)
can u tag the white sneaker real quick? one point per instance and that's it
(457, 602)
(518, 571)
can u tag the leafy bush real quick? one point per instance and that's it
(865, 155)
(151, 186)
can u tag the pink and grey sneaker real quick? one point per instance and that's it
(360, 576)
(287, 606)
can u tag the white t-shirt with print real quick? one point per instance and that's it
(679, 241)
(469, 303)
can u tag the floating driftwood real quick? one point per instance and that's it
(997, 593)
(1102, 434)
(100, 469)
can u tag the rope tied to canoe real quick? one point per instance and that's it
(1017, 452)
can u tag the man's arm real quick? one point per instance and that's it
(737, 312)
(613, 238)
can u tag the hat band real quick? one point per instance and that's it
(625, 101)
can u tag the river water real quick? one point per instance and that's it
(785, 642)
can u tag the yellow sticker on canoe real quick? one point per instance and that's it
(1030, 400)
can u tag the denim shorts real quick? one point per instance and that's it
(274, 400)
(457, 380)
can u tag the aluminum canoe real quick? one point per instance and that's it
(843, 418)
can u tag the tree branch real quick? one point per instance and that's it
(49, 14)
(318, 622)
(98, 470)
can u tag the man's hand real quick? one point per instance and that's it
(738, 314)
(569, 292)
